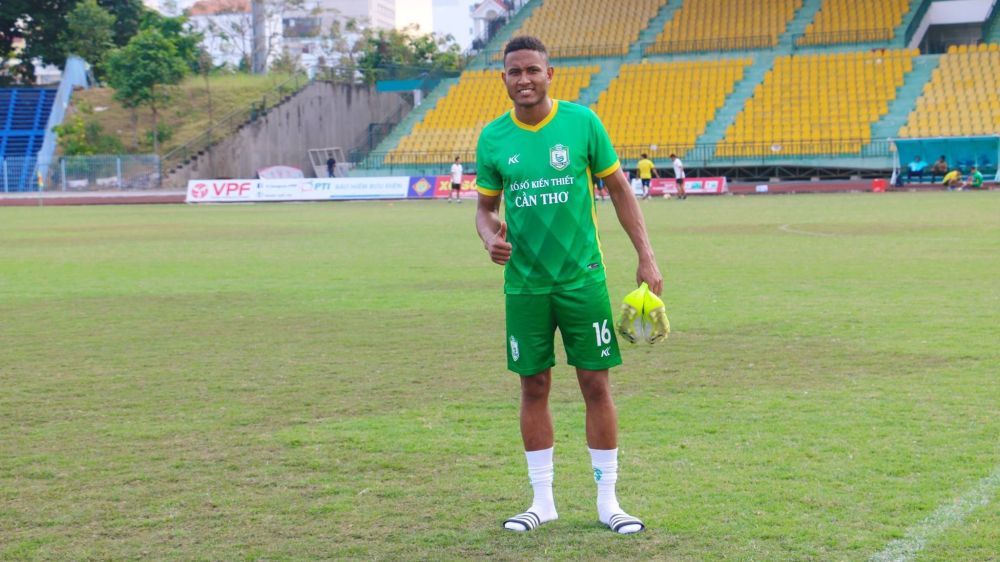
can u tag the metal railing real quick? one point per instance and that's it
(575, 51)
(848, 36)
(232, 121)
(691, 153)
(746, 43)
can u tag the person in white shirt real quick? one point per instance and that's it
(456, 181)
(679, 176)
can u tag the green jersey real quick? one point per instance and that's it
(544, 172)
(976, 179)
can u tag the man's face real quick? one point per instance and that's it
(527, 75)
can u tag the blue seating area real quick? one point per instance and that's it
(24, 113)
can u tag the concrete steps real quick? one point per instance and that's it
(652, 29)
(906, 97)
(797, 26)
(715, 131)
(600, 82)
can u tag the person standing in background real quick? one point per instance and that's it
(646, 170)
(679, 176)
(456, 181)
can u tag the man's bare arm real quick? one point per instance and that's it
(630, 216)
(492, 230)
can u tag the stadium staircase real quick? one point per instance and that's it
(600, 81)
(24, 113)
(716, 129)
(797, 26)
(653, 28)
(906, 97)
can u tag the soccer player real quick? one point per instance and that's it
(679, 175)
(539, 158)
(456, 181)
(975, 179)
(646, 170)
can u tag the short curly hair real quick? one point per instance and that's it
(525, 42)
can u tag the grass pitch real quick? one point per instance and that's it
(327, 381)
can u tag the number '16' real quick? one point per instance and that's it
(602, 332)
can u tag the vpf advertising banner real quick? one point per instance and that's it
(692, 186)
(296, 189)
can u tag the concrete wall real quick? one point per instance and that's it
(321, 115)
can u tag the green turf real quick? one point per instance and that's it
(300, 381)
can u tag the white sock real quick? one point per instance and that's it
(605, 464)
(540, 473)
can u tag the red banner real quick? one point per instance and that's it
(443, 188)
(692, 186)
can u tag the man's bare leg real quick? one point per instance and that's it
(537, 434)
(602, 440)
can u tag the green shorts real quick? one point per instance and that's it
(583, 317)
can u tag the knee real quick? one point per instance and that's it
(536, 388)
(595, 388)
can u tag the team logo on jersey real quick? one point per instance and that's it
(515, 353)
(559, 156)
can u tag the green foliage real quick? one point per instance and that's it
(285, 63)
(42, 23)
(186, 42)
(89, 34)
(143, 71)
(163, 132)
(85, 138)
(386, 54)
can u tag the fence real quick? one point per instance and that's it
(714, 44)
(877, 152)
(80, 173)
(837, 37)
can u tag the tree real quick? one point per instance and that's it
(89, 34)
(175, 29)
(394, 53)
(41, 23)
(143, 71)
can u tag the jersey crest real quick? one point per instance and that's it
(559, 157)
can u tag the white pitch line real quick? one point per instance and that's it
(945, 516)
(788, 228)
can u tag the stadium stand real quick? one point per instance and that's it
(714, 25)
(850, 21)
(666, 104)
(962, 97)
(818, 104)
(453, 126)
(24, 113)
(599, 27)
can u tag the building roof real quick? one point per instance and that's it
(217, 7)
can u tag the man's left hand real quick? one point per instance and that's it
(648, 273)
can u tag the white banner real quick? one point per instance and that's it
(296, 189)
